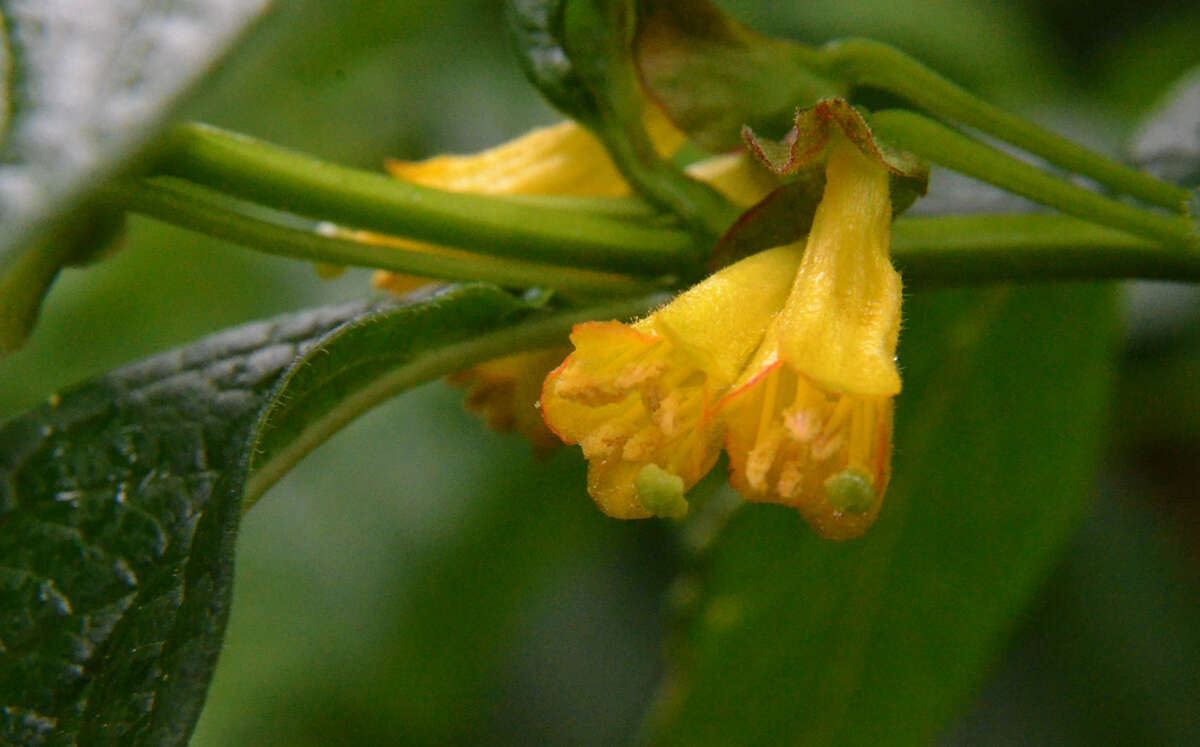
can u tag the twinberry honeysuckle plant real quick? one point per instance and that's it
(697, 261)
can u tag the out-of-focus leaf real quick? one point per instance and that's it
(795, 639)
(536, 27)
(120, 499)
(713, 75)
(1117, 632)
(91, 81)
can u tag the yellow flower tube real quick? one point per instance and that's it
(639, 398)
(809, 422)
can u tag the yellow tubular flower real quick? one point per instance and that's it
(809, 422)
(561, 159)
(639, 398)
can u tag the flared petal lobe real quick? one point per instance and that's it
(639, 398)
(809, 423)
(827, 454)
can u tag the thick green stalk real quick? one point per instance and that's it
(967, 250)
(199, 209)
(24, 284)
(945, 146)
(532, 230)
(931, 251)
(870, 63)
(598, 35)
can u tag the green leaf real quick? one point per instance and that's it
(714, 75)
(119, 502)
(89, 83)
(882, 640)
(120, 499)
(1116, 631)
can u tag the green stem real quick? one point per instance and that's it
(295, 183)
(598, 35)
(965, 250)
(932, 251)
(664, 183)
(24, 283)
(531, 335)
(954, 150)
(870, 63)
(200, 210)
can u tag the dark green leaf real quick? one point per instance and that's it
(881, 640)
(120, 500)
(119, 503)
(90, 82)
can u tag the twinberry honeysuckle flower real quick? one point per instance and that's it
(809, 422)
(640, 398)
(807, 417)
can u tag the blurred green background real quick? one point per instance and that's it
(422, 580)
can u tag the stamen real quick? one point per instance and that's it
(638, 373)
(803, 424)
(761, 458)
(841, 413)
(862, 427)
(828, 445)
(640, 446)
(604, 441)
(767, 417)
(791, 476)
(665, 415)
